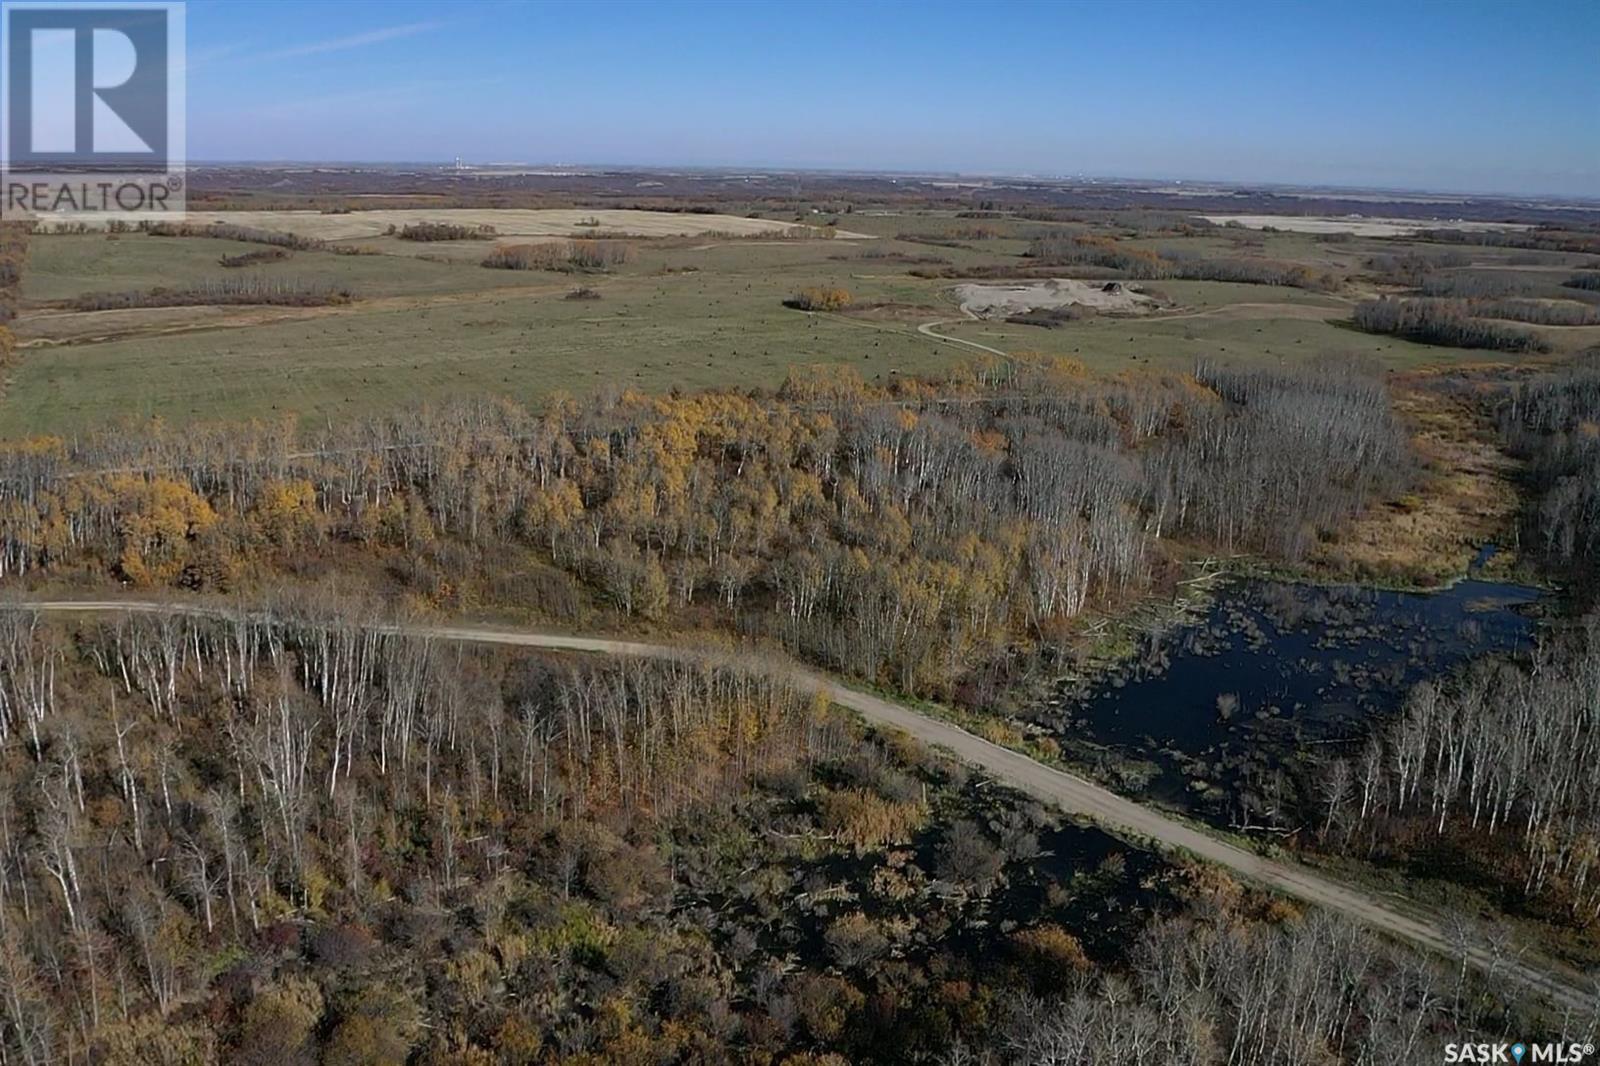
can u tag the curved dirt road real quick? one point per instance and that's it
(1071, 793)
(927, 330)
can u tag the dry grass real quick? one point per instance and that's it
(1467, 497)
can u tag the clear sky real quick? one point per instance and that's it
(1468, 96)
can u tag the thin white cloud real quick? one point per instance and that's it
(201, 57)
(358, 102)
(354, 40)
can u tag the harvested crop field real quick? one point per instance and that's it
(996, 301)
(506, 222)
(1357, 225)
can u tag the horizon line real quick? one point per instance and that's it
(448, 163)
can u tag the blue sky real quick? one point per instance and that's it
(1448, 95)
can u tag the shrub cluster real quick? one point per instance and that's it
(443, 231)
(819, 298)
(263, 255)
(582, 256)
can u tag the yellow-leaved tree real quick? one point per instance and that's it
(158, 521)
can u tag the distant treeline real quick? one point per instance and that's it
(1413, 267)
(1446, 322)
(1134, 223)
(229, 232)
(1141, 263)
(221, 291)
(1489, 294)
(1548, 240)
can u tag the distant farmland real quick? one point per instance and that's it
(505, 222)
(1357, 225)
(698, 301)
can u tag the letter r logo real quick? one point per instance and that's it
(87, 85)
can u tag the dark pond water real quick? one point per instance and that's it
(1274, 667)
(1100, 888)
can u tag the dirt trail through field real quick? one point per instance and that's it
(1309, 312)
(96, 327)
(927, 330)
(1073, 794)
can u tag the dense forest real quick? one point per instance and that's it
(288, 837)
(906, 535)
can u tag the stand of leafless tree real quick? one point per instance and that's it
(1509, 757)
(1554, 421)
(1208, 992)
(255, 289)
(1447, 322)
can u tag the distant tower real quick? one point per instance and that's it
(459, 164)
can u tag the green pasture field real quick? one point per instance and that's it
(413, 337)
(430, 324)
(61, 267)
